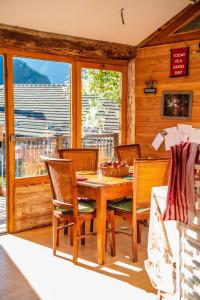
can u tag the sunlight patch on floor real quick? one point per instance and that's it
(127, 266)
(112, 271)
(80, 260)
(51, 277)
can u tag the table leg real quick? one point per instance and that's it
(101, 225)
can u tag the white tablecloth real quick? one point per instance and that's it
(155, 237)
(155, 233)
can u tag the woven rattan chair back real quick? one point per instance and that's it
(62, 180)
(127, 153)
(148, 173)
(83, 159)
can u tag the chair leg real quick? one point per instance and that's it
(106, 235)
(159, 295)
(82, 229)
(145, 223)
(58, 237)
(55, 234)
(71, 235)
(92, 225)
(134, 240)
(75, 242)
(139, 230)
(66, 228)
(112, 244)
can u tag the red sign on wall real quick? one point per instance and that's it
(179, 62)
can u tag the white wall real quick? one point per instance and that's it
(96, 19)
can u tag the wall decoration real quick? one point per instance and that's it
(177, 104)
(150, 89)
(179, 62)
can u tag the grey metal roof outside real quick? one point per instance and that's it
(45, 109)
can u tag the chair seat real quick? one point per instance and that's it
(83, 208)
(126, 206)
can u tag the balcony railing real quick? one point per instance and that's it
(104, 141)
(29, 149)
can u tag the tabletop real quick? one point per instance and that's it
(100, 180)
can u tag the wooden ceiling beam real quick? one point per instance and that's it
(38, 41)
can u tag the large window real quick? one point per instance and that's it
(42, 112)
(52, 111)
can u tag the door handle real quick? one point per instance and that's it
(12, 138)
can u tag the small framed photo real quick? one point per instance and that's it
(177, 104)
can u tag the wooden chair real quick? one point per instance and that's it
(85, 159)
(67, 210)
(127, 153)
(147, 173)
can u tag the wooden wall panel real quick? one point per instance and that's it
(33, 206)
(155, 62)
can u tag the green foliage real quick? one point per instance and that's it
(3, 181)
(102, 83)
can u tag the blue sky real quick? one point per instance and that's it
(57, 72)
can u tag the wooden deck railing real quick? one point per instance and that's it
(104, 141)
(29, 149)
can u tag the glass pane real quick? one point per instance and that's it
(42, 104)
(193, 25)
(101, 110)
(2, 152)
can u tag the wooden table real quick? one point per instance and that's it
(101, 189)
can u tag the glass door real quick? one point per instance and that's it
(42, 112)
(101, 109)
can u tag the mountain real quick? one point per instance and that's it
(57, 72)
(24, 74)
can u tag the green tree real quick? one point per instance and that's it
(102, 83)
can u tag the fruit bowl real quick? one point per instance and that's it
(114, 169)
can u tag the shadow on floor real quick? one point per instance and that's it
(13, 284)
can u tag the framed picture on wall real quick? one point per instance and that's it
(177, 104)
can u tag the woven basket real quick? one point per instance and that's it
(115, 172)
